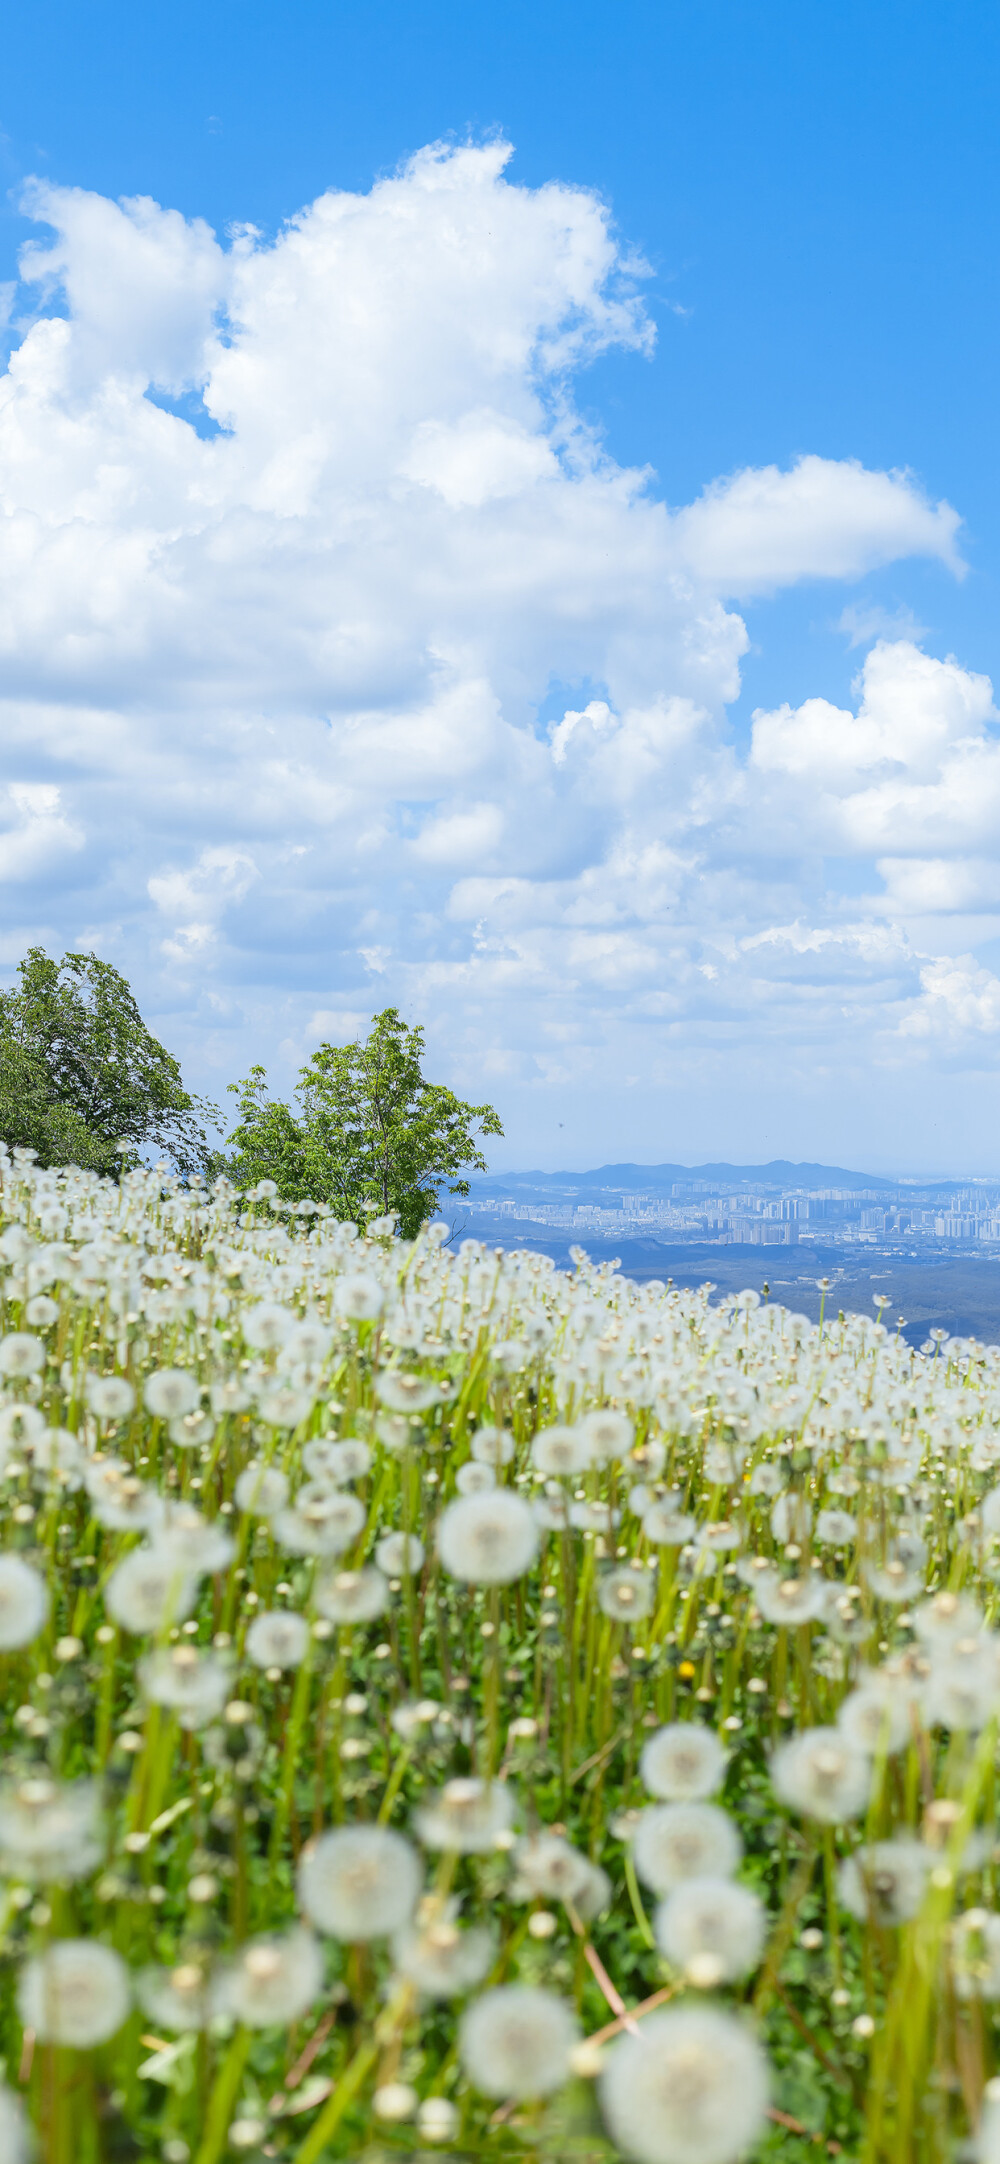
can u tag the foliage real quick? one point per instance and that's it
(372, 1135)
(719, 1520)
(82, 1080)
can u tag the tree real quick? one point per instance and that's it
(370, 1133)
(82, 1080)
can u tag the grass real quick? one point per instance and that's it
(871, 1999)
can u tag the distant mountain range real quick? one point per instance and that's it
(779, 1173)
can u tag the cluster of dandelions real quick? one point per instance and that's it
(453, 1703)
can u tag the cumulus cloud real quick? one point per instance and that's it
(276, 662)
(827, 518)
(957, 999)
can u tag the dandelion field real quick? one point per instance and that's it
(454, 1707)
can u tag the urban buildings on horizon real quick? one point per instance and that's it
(904, 1217)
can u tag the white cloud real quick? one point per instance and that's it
(861, 623)
(273, 673)
(827, 518)
(39, 839)
(957, 999)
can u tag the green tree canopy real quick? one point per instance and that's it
(368, 1133)
(81, 1076)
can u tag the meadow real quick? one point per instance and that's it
(456, 1706)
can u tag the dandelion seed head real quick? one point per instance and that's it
(273, 1980)
(352, 1596)
(262, 1489)
(359, 1882)
(690, 2087)
(466, 1815)
(77, 1992)
(516, 2041)
(397, 1553)
(16, 2138)
(820, 1774)
(148, 1590)
(711, 1929)
(24, 1602)
(21, 1355)
(683, 1763)
(677, 1841)
(488, 1539)
(170, 1393)
(885, 1880)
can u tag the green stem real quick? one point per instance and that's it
(223, 2097)
(336, 2105)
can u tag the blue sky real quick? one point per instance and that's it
(813, 192)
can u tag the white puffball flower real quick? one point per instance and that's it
(170, 1393)
(76, 1992)
(939, 1622)
(277, 1638)
(261, 1489)
(475, 1479)
(358, 1297)
(666, 1525)
(788, 1601)
(110, 1397)
(975, 1956)
(267, 1326)
(766, 1479)
(791, 1517)
(194, 1685)
(711, 1929)
(549, 1865)
(359, 1882)
(608, 1434)
(467, 1815)
(404, 1392)
(677, 1841)
(148, 1590)
(398, 1553)
(822, 1775)
(120, 1500)
(229, 1395)
(876, 1716)
(177, 1998)
(886, 1880)
(683, 1763)
(60, 1452)
(561, 1452)
(516, 2041)
(690, 2087)
(626, 1595)
(320, 1521)
(488, 1539)
(195, 1542)
(24, 1602)
(285, 1405)
(41, 1311)
(836, 1528)
(441, 1960)
(21, 1426)
(353, 1596)
(21, 1354)
(273, 1981)
(437, 2119)
(987, 2147)
(308, 1342)
(492, 1446)
(16, 2137)
(50, 1829)
(325, 1459)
